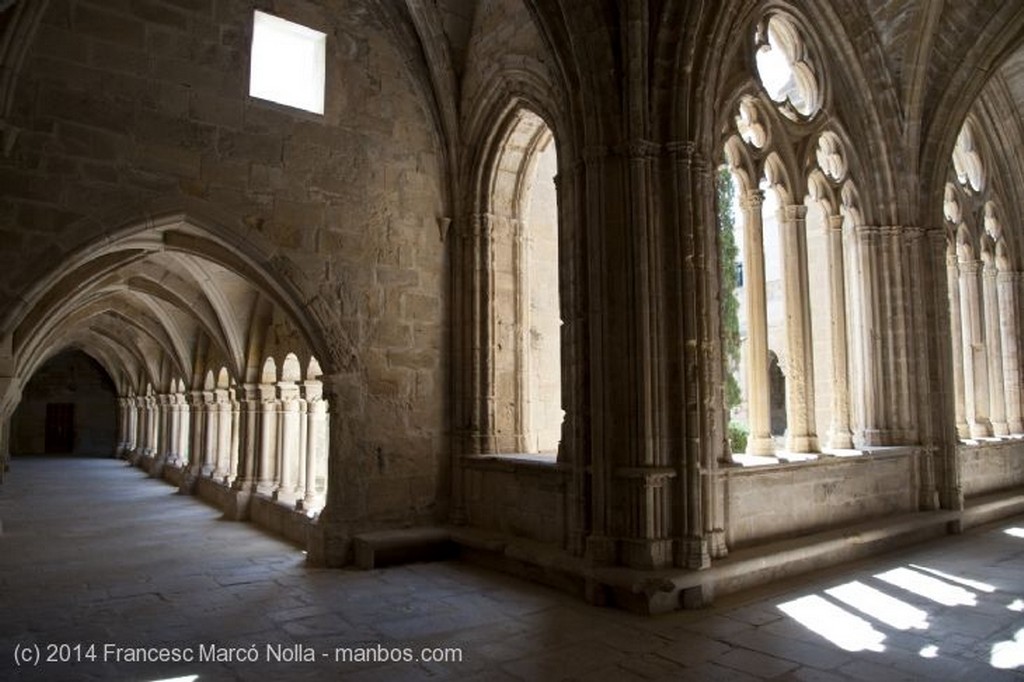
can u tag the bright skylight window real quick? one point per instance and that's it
(287, 64)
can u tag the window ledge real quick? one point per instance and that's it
(980, 441)
(539, 461)
(784, 459)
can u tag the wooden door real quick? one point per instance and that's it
(60, 428)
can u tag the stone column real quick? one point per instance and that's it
(132, 414)
(249, 438)
(130, 421)
(196, 430)
(222, 445)
(234, 441)
(174, 432)
(484, 421)
(330, 539)
(316, 446)
(211, 431)
(303, 454)
(151, 426)
(161, 419)
(122, 426)
(867, 327)
(994, 346)
(267, 476)
(288, 437)
(184, 423)
(840, 435)
(801, 435)
(1010, 333)
(758, 409)
(956, 327)
(245, 411)
(142, 419)
(571, 275)
(976, 401)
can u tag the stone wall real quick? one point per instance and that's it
(71, 378)
(772, 502)
(990, 467)
(516, 497)
(130, 109)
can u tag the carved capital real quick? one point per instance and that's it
(642, 149)
(681, 151)
(793, 213)
(867, 231)
(753, 198)
(1007, 277)
(649, 475)
(970, 267)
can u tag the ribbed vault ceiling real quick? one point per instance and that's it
(149, 314)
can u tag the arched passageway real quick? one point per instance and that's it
(159, 346)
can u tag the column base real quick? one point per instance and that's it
(1000, 429)
(876, 438)
(692, 553)
(189, 477)
(928, 499)
(457, 516)
(309, 503)
(1015, 427)
(601, 550)
(953, 498)
(717, 547)
(981, 429)
(841, 440)
(156, 466)
(647, 553)
(329, 545)
(244, 485)
(808, 443)
(287, 499)
(760, 445)
(238, 505)
(963, 430)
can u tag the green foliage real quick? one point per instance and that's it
(728, 252)
(737, 437)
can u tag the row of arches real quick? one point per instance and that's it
(792, 234)
(809, 287)
(982, 288)
(271, 437)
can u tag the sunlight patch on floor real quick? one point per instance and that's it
(966, 582)
(880, 606)
(929, 587)
(834, 623)
(1008, 654)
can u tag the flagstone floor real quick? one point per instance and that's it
(101, 566)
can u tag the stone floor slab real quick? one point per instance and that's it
(94, 552)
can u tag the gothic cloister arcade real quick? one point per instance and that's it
(479, 288)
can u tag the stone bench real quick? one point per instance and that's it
(406, 545)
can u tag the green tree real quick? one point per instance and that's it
(728, 252)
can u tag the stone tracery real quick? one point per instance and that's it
(985, 343)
